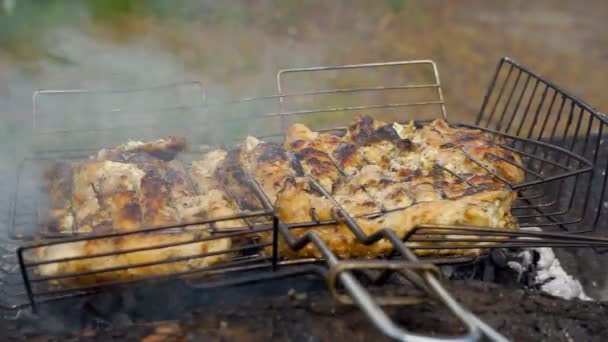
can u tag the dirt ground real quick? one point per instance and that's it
(520, 315)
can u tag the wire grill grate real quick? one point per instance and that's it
(560, 168)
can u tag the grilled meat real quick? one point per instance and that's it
(377, 143)
(486, 209)
(95, 185)
(163, 149)
(268, 163)
(319, 165)
(454, 148)
(399, 174)
(383, 175)
(232, 173)
(213, 200)
(194, 250)
(203, 171)
(137, 190)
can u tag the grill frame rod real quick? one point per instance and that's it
(532, 103)
(413, 269)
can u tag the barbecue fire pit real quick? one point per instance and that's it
(254, 292)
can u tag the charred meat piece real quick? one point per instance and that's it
(163, 149)
(212, 202)
(267, 163)
(233, 176)
(271, 166)
(319, 165)
(347, 156)
(95, 185)
(155, 199)
(314, 152)
(378, 143)
(299, 137)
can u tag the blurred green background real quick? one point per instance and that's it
(235, 47)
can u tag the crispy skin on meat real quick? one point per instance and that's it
(313, 151)
(267, 163)
(94, 184)
(362, 129)
(366, 131)
(297, 199)
(318, 153)
(122, 244)
(384, 187)
(164, 149)
(347, 156)
(441, 143)
(178, 180)
(397, 166)
(234, 179)
(270, 165)
(213, 202)
(389, 146)
(319, 164)
(203, 171)
(125, 211)
(377, 143)
(487, 209)
(299, 137)
(117, 190)
(155, 199)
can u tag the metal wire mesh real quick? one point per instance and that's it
(522, 103)
(553, 162)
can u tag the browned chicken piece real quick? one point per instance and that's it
(366, 142)
(270, 165)
(452, 147)
(319, 154)
(213, 202)
(487, 209)
(235, 181)
(299, 137)
(347, 157)
(130, 260)
(125, 211)
(180, 184)
(397, 168)
(356, 200)
(155, 199)
(320, 166)
(95, 184)
(377, 142)
(163, 149)
(114, 190)
(267, 163)
(203, 171)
